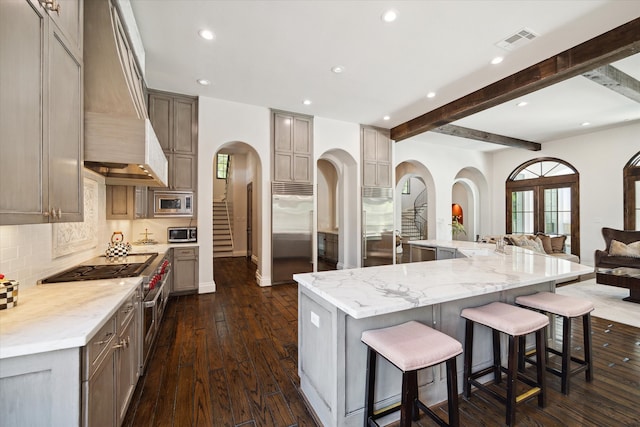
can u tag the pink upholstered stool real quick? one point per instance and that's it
(411, 346)
(517, 323)
(567, 307)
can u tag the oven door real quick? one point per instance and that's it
(150, 321)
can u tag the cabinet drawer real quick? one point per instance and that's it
(98, 348)
(184, 252)
(125, 312)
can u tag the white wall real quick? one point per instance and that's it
(599, 158)
(221, 122)
(444, 164)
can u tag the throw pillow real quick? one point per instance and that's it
(538, 246)
(557, 244)
(546, 243)
(631, 250)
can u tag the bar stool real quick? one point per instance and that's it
(568, 308)
(517, 323)
(410, 347)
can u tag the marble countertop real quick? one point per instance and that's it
(371, 291)
(58, 316)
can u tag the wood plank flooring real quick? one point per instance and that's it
(230, 359)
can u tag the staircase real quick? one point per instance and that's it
(409, 230)
(222, 240)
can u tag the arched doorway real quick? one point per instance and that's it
(337, 207)
(236, 177)
(631, 174)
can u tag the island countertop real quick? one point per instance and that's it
(372, 291)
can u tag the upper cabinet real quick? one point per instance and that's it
(41, 112)
(175, 120)
(376, 157)
(292, 142)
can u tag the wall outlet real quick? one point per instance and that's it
(315, 319)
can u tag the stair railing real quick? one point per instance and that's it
(420, 215)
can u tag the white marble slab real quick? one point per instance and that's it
(371, 291)
(58, 316)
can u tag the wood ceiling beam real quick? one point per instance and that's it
(493, 138)
(601, 50)
(616, 80)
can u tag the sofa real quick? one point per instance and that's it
(553, 245)
(622, 249)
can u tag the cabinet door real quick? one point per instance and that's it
(126, 367)
(69, 21)
(185, 269)
(161, 115)
(376, 158)
(120, 204)
(21, 115)
(100, 395)
(183, 172)
(185, 115)
(65, 117)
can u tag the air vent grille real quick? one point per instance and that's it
(516, 40)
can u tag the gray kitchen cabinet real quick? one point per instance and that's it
(185, 270)
(112, 367)
(292, 142)
(175, 120)
(376, 157)
(126, 202)
(41, 118)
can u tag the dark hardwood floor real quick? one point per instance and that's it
(230, 359)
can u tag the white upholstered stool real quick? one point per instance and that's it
(411, 346)
(516, 322)
(568, 308)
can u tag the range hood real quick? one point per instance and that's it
(119, 141)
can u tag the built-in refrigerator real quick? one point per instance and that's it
(378, 239)
(291, 230)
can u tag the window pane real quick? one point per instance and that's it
(557, 211)
(522, 212)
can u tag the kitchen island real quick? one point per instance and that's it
(334, 307)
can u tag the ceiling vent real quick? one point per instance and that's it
(518, 39)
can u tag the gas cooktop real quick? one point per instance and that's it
(104, 268)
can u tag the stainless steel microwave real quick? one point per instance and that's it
(173, 203)
(182, 234)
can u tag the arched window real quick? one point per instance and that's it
(631, 175)
(542, 195)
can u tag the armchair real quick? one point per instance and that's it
(603, 258)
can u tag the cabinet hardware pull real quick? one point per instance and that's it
(106, 339)
(51, 5)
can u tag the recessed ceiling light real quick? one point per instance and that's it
(585, 124)
(431, 95)
(307, 102)
(206, 34)
(522, 103)
(204, 82)
(389, 15)
(386, 118)
(497, 60)
(337, 69)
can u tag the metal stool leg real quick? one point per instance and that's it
(512, 375)
(452, 392)
(541, 364)
(566, 354)
(497, 362)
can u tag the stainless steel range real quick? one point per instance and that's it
(155, 272)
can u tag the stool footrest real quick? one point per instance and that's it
(386, 410)
(528, 394)
(431, 414)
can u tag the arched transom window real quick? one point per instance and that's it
(542, 196)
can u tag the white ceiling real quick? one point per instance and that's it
(278, 53)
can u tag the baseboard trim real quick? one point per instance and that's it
(207, 288)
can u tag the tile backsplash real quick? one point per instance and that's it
(27, 255)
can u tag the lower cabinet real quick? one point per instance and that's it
(112, 368)
(185, 270)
